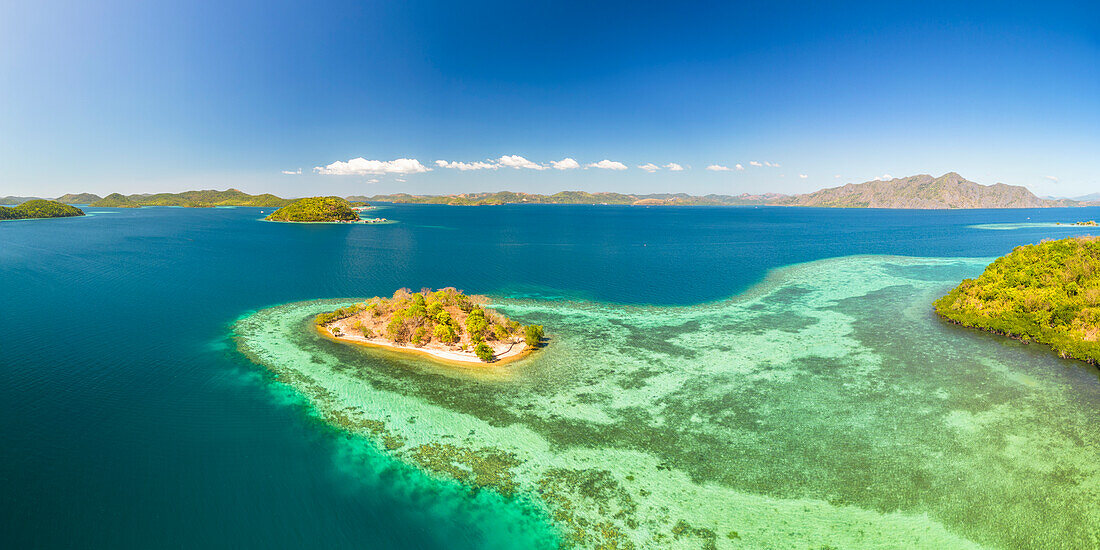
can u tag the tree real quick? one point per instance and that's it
(396, 330)
(445, 333)
(421, 336)
(532, 334)
(476, 323)
(484, 352)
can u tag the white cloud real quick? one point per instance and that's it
(297, 172)
(517, 162)
(771, 164)
(373, 180)
(673, 167)
(607, 165)
(565, 164)
(464, 166)
(400, 180)
(754, 163)
(803, 176)
(718, 168)
(884, 177)
(1052, 178)
(649, 167)
(361, 167)
(738, 166)
(837, 176)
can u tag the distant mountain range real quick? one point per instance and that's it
(194, 199)
(925, 192)
(572, 197)
(921, 191)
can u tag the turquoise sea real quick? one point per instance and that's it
(716, 378)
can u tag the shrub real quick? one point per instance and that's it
(421, 336)
(532, 334)
(397, 331)
(476, 323)
(445, 333)
(484, 352)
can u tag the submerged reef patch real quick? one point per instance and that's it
(827, 407)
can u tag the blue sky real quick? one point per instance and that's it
(141, 97)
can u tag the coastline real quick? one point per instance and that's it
(443, 356)
(349, 222)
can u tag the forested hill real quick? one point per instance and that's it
(926, 192)
(206, 198)
(78, 198)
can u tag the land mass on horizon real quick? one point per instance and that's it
(923, 191)
(916, 192)
(193, 199)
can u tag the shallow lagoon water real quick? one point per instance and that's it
(823, 395)
(791, 416)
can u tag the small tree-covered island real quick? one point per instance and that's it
(1047, 292)
(39, 208)
(444, 324)
(322, 210)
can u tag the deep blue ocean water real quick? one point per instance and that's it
(128, 420)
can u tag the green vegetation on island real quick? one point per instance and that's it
(78, 198)
(12, 201)
(1047, 292)
(574, 197)
(192, 199)
(39, 208)
(315, 209)
(115, 200)
(445, 323)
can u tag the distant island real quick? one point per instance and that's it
(444, 324)
(920, 192)
(575, 197)
(191, 199)
(78, 198)
(1047, 292)
(39, 208)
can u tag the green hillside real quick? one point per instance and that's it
(115, 200)
(315, 209)
(193, 199)
(39, 208)
(1047, 292)
(78, 198)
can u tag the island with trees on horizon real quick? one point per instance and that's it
(191, 199)
(444, 324)
(39, 209)
(1047, 292)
